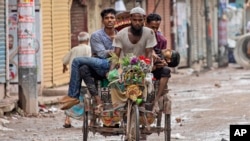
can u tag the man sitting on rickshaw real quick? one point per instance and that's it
(88, 68)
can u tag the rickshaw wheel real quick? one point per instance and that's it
(167, 128)
(134, 133)
(85, 126)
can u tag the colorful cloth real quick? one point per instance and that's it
(222, 33)
(76, 111)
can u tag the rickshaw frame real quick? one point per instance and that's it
(131, 110)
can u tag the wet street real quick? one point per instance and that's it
(203, 106)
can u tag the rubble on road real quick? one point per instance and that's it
(2, 125)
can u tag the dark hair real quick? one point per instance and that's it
(153, 17)
(107, 11)
(175, 59)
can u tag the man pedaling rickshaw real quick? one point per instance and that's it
(139, 40)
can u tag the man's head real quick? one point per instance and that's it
(83, 37)
(137, 18)
(153, 21)
(108, 17)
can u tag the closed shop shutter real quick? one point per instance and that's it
(56, 40)
(47, 42)
(202, 33)
(194, 30)
(2, 42)
(61, 38)
(198, 31)
(181, 46)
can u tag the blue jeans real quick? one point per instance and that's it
(100, 66)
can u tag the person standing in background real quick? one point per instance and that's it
(83, 49)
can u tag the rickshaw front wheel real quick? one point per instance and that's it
(134, 132)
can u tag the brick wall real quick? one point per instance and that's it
(78, 21)
(163, 9)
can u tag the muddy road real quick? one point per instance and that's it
(203, 107)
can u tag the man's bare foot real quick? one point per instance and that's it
(67, 122)
(91, 123)
(156, 108)
(99, 107)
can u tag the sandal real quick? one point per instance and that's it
(67, 126)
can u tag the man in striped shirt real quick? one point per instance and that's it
(87, 68)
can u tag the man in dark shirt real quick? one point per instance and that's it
(160, 70)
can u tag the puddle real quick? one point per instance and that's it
(192, 97)
(199, 110)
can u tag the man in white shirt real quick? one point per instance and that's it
(83, 49)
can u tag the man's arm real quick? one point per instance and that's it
(98, 47)
(148, 53)
(117, 53)
(66, 60)
(161, 41)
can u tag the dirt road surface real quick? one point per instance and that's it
(205, 104)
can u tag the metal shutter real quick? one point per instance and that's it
(47, 42)
(198, 36)
(61, 38)
(2, 42)
(56, 40)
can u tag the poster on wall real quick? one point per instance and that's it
(181, 25)
(27, 50)
(13, 49)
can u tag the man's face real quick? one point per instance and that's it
(109, 20)
(137, 21)
(154, 25)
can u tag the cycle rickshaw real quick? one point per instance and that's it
(134, 118)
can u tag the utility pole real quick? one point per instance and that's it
(208, 35)
(27, 69)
